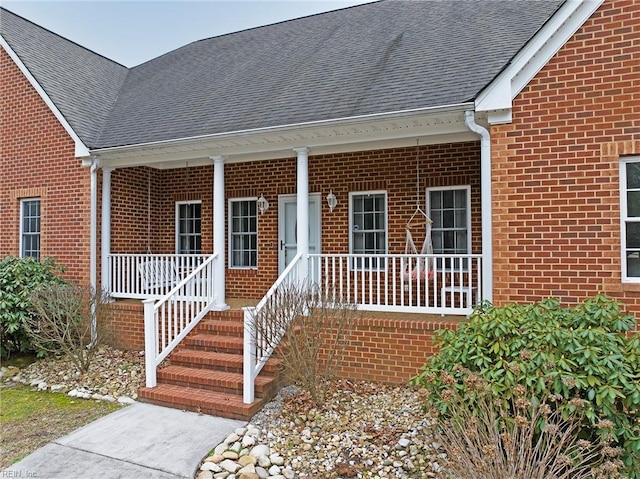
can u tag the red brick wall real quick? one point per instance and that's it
(556, 167)
(132, 202)
(128, 325)
(37, 159)
(389, 350)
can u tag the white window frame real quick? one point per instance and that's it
(31, 233)
(177, 225)
(467, 188)
(624, 219)
(353, 264)
(230, 235)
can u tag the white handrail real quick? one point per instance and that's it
(168, 320)
(258, 350)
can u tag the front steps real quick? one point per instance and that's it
(204, 374)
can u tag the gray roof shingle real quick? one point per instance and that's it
(82, 84)
(391, 55)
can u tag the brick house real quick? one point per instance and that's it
(517, 134)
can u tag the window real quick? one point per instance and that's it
(243, 230)
(188, 227)
(30, 228)
(450, 210)
(630, 217)
(368, 226)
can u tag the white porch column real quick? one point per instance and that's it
(106, 228)
(302, 207)
(219, 240)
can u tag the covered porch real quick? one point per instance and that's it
(267, 212)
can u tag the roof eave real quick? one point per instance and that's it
(322, 137)
(81, 150)
(496, 99)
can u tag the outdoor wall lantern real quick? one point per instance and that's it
(332, 201)
(263, 204)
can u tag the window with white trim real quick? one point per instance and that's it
(630, 218)
(450, 210)
(368, 226)
(30, 228)
(243, 233)
(188, 227)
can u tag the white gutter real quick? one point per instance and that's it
(280, 128)
(485, 202)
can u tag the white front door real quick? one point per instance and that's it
(287, 228)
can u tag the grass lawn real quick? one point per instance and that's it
(30, 419)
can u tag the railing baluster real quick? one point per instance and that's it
(333, 278)
(378, 277)
(393, 282)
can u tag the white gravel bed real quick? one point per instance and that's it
(364, 430)
(114, 375)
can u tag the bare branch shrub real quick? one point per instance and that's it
(61, 321)
(314, 327)
(521, 439)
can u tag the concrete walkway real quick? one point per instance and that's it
(140, 441)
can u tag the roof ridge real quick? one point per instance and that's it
(61, 37)
(258, 27)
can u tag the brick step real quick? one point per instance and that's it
(217, 361)
(201, 400)
(227, 315)
(220, 381)
(221, 327)
(208, 342)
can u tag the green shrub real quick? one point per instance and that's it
(19, 278)
(586, 355)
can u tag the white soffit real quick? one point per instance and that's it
(327, 137)
(80, 149)
(496, 99)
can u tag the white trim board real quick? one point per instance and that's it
(80, 148)
(497, 97)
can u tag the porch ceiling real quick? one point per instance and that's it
(442, 125)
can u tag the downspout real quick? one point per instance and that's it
(486, 198)
(93, 223)
(93, 239)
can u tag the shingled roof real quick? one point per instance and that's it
(374, 58)
(82, 84)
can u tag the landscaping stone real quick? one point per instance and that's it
(363, 430)
(113, 374)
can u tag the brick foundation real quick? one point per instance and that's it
(128, 325)
(390, 350)
(383, 350)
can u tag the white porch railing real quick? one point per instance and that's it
(258, 348)
(170, 319)
(143, 276)
(451, 284)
